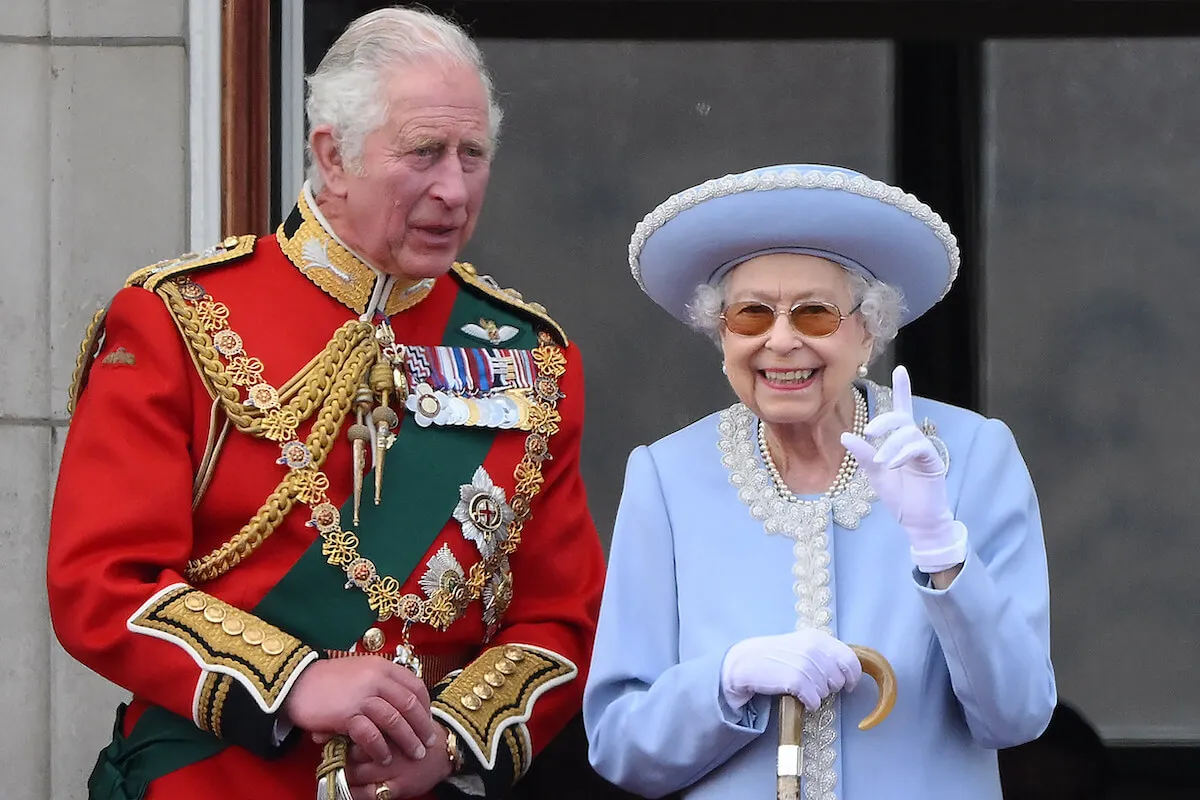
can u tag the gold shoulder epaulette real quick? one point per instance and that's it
(231, 249)
(467, 273)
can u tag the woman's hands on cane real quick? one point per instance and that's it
(807, 664)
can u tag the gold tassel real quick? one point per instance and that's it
(359, 434)
(331, 773)
(383, 418)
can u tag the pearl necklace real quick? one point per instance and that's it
(845, 471)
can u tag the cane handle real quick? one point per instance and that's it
(875, 665)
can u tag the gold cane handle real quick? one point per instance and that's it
(791, 721)
(875, 665)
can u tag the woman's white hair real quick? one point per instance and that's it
(879, 304)
(344, 91)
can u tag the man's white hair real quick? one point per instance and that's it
(345, 90)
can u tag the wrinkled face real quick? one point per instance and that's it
(782, 376)
(413, 202)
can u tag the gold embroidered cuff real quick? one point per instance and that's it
(489, 700)
(227, 641)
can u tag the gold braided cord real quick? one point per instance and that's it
(83, 361)
(310, 391)
(298, 483)
(207, 358)
(331, 380)
(333, 758)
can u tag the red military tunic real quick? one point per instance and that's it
(168, 564)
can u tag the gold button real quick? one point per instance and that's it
(514, 655)
(233, 626)
(272, 645)
(469, 268)
(195, 602)
(493, 679)
(505, 667)
(374, 640)
(471, 702)
(214, 613)
(230, 243)
(482, 691)
(253, 636)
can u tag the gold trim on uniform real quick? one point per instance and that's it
(120, 357)
(211, 704)
(230, 249)
(322, 389)
(467, 273)
(338, 272)
(495, 693)
(149, 277)
(517, 747)
(89, 348)
(226, 640)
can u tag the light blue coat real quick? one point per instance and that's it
(691, 572)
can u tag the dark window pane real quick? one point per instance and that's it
(598, 133)
(1091, 280)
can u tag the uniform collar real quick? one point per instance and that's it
(310, 243)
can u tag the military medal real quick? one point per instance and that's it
(484, 513)
(487, 388)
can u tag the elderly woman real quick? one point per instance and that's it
(753, 546)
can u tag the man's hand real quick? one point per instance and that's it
(381, 706)
(405, 777)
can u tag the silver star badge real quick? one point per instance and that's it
(484, 513)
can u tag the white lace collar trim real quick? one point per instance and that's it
(808, 525)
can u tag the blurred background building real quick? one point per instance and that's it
(1059, 139)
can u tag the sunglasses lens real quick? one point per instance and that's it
(749, 319)
(815, 319)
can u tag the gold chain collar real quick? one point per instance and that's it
(448, 602)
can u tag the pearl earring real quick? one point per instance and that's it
(724, 369)
(862, 370)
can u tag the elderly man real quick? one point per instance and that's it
(320, 508)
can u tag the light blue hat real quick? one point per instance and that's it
(878, 230)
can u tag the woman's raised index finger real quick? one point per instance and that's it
(901, 391)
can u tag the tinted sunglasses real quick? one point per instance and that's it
(811, 318)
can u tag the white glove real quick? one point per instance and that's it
(809, 665)
(910, 478)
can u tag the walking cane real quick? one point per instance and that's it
(791, 721)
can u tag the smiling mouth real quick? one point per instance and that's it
(789, 376)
